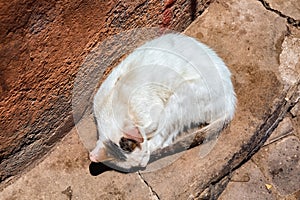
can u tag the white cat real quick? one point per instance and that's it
(159, 91)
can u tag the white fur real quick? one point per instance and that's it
(161, 87)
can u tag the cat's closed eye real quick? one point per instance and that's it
(156, 97)
(128, 145)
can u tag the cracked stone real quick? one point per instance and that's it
(284, 128)
(229, 27)
(280, 163)
(67, 167)
(289, 8)
(252, 187)
(295, 111)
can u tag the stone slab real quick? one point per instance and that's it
(247, 183)
(289, 8)
(284, 128)
(280, 162)
(230, 28)
(65, 174)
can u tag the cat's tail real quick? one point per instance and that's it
(206, 137)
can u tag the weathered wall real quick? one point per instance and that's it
(42, 45)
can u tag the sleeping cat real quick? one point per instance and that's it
(159, 91)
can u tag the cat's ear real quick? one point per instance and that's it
(134, 134)
(99, 154)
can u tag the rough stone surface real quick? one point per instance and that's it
(295, 113)
(289, 60)
(290, 8)
(255, 43)
(67, 167)
(284, 128)
(42, 45)
(280, 162)
(225, 26)
(295, 110)
(247, 183)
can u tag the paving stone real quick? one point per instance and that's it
(290, 60)
(228, 27)
(247, 183)
(284, 128)
(290, 8)
(64, 174)
(294, 196)
(295, 111)
(280, 163)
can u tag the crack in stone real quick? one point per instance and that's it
(214, 190)
(153, 193)
(290, 20)
(278, 138)
(258, 139)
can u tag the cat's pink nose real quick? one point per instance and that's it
(93, 157)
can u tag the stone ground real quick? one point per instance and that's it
(260, 42)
